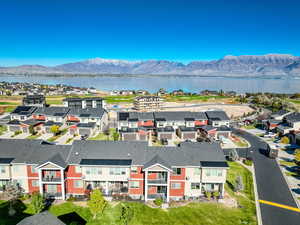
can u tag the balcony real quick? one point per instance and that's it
(51, 179)
(53, 195)
(158, 195)
(157, 181)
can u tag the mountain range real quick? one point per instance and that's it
(244, 65)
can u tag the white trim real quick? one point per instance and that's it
(156, 164)
(38, 167)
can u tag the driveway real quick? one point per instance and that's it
(271, 184)
(45, 136)
(22, 136)
(6, 135)
(63, 139)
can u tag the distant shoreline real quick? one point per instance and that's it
(153, 75)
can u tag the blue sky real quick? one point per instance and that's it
(58, 31)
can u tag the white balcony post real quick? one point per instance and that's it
(63, 191)
(106, 188)
(40, 181)
(146, 186)
(168, 187)
(223, 190)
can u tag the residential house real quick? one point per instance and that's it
(187, 133)
(98, 116)
(217, 118)
(132, 169)
(55, 114)
(22, 113)
(279, 115)
(290, 122)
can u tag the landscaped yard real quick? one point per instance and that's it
(104, 136)
(55, 137)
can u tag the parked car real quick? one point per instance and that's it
(272, 152)
(164, 141)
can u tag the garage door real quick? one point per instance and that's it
(129, 137)
(83, 131)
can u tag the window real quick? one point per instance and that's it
(35, 183)
(209, 187)
(77, 169)
(134, 169)
(33, 169)
(197, 171)
(175, 185)
(213, 172)
(195, 186)
(2, 169)
(117, 171)
(78, 184)
(134, 184)
(93, 171)
(177, 171)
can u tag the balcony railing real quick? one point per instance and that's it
(51, 179)
(53, 195)
(157, 181)
(158, 195)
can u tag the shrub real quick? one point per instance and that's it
(37, 202)
(285, 140)
(158, 202)
(208, 195)
(17, 132)
(238, 184)
(71, 198)
(297, 156)
(248, 162)
(216, 194)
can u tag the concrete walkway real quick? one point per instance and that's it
(45, 136)
(7, 135)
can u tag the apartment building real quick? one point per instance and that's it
(84, 103)
(148, 103)
(117, 168)
(34, 100)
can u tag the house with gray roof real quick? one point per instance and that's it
(217, 118)
(55, 114)
(22, 113)
(130, 168)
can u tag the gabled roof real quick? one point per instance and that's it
(217, 115)
(167, 129)
(86, 125)
(43, 218)
(280, 112)
(157, 160)
(137, 116)
(179, 115)
(55, 159)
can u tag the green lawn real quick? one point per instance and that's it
(172, 98)
(248, 127)
(103, 136)
(119, 99)
(8, 103)
(286, 163)
(2, 129)
(55, 137)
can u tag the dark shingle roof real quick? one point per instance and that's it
(86, 125)
(24, 110)
(43, 218)
(187, 129)
(90, 112)
(293, 117)
(57, 160)
(157, 160)
(180, 115)
(138, 116)
(217, 115)
(280, 112)
(165, 129)
(6, 160)
(52, 111)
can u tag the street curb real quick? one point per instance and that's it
(258, 214)
(288, 184)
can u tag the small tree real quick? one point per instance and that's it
(54, 129)
(13, 191)
(216, 194)
(208, 195)
(297, 156)
(38, 203)
(116, 136)
(97, 203)
(238, 184)
(126, 214)
(285, 140)
(31, 130)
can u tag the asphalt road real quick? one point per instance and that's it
(271, 185)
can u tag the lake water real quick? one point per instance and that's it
(153, 83)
